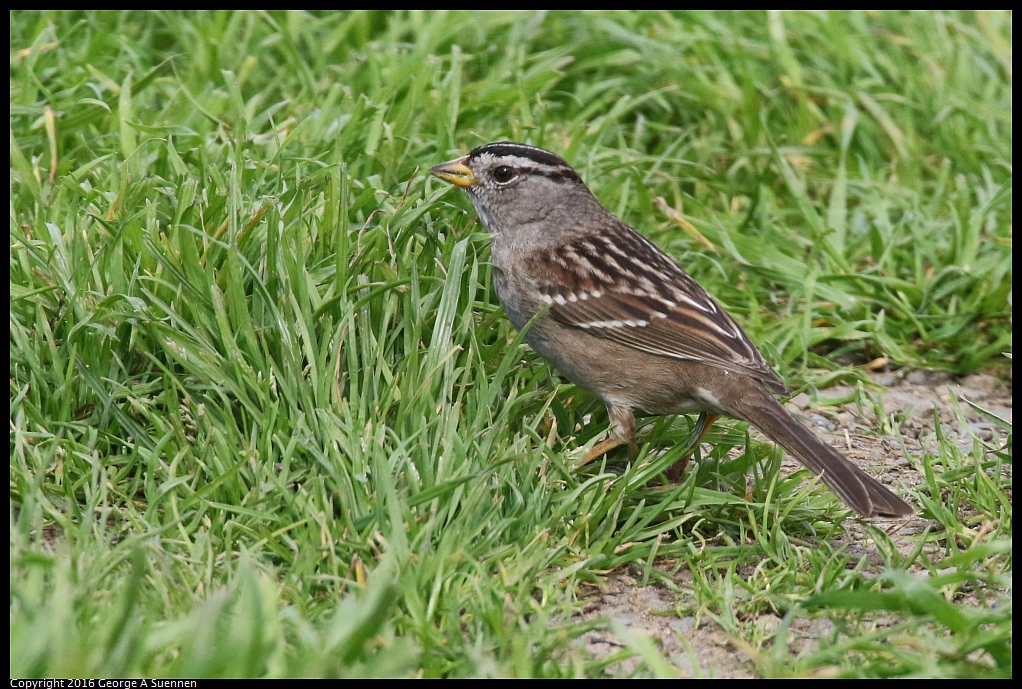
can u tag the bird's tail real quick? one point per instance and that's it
(857, 489)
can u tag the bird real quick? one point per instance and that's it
(614, 314)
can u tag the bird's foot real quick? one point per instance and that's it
(703, 424)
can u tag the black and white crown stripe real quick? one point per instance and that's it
(525, 159)
(503, 149)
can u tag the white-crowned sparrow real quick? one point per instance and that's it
(623, 320)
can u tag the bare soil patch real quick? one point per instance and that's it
(877, 438)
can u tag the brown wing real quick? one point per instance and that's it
(653, 306)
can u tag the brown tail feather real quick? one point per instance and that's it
(856, 488)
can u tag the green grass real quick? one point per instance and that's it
(268, 419)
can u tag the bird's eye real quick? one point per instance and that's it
(503, 173)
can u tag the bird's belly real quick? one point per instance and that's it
(619, 375)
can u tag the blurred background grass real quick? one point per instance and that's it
(268, 419)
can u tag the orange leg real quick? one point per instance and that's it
(677, 470)
(622, 433)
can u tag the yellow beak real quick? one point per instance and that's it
(456, 172)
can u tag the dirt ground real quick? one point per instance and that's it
(907, 404)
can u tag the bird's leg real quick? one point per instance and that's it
(621, 433)
(677, 470)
